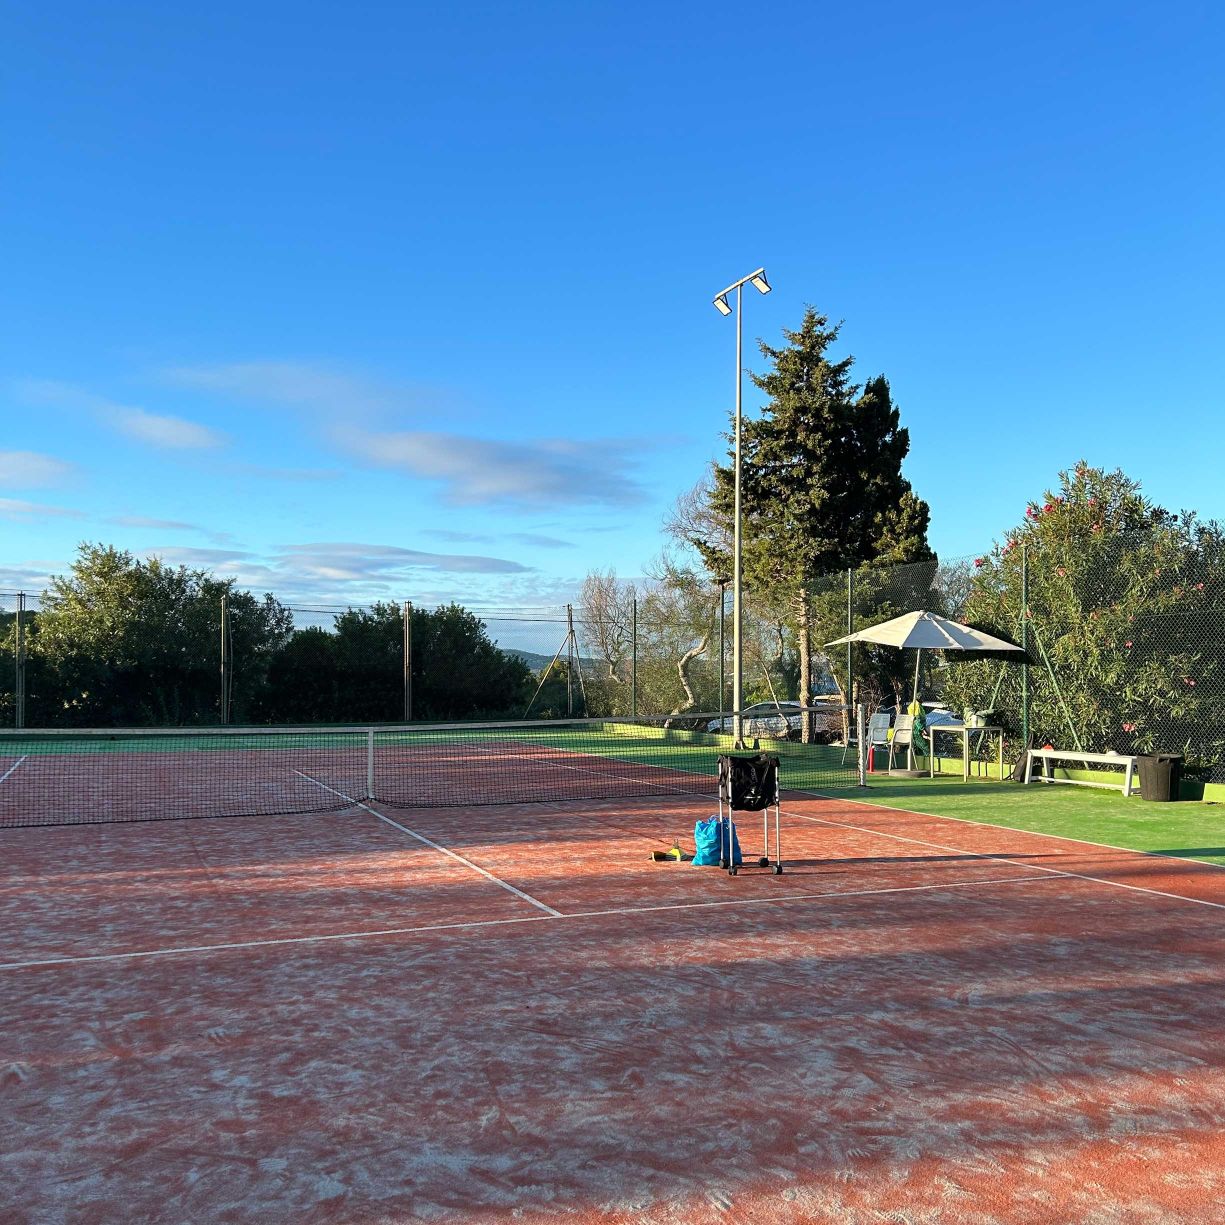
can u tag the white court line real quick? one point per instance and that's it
(671, 788)
(412, 833)
(1016, 863)
(1037, 833)
(475, 923)
(13, 767)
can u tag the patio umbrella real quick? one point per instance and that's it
(926, 631)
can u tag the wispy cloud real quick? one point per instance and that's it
(289, 384)
(335, 572)
(207, 559)
(32, 577)
(170, 433)
(354, 561)
(484, 471)
(29, 469)
(166, 525)
(13, 508)
(266, 473)
(529, 538)
(471, 470)
(156, 429)
(541, 542)
(446, 533)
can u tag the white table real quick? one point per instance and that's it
(965, 732)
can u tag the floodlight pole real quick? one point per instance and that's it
(737, 565)
(758, 278)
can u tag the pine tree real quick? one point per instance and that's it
(822, 485)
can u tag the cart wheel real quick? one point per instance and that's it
(733, 870)
(764, 861)
(778, 869)
(724, 864)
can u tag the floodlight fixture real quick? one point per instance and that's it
(721, 305)
(758, 280)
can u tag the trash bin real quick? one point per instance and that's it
(1160, 774)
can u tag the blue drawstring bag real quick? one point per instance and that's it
(708, 843)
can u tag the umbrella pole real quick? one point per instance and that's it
(914, 697)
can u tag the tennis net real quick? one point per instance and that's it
(87, 776)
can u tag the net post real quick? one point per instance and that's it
(861, 731)
(407, 613)
(19, 664)
(369, 763)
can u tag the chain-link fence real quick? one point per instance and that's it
(1124, 638)
(247, 660)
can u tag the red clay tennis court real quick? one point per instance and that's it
(508, 1012)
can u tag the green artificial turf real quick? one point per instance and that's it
(1187, 829)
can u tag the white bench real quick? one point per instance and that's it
(1110, 759)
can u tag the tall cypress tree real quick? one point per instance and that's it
(822, 486)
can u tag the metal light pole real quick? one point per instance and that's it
(723, 582)
(759, 282)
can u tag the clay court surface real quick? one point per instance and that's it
(325, 1018)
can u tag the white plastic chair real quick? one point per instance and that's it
(903, 738)
(877, 734)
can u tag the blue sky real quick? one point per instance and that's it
(413, 301)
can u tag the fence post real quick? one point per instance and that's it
(634, 656)
(570, 661)
(225, 659)
(19, 664)
(1025, 647)
(407, 614)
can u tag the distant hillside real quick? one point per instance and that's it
(538, 662)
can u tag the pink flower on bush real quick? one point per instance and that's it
(1186, 680)
(1129, 727)
(1059, 570)
(978, 561)
(1199, 586)
(1128, 643)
